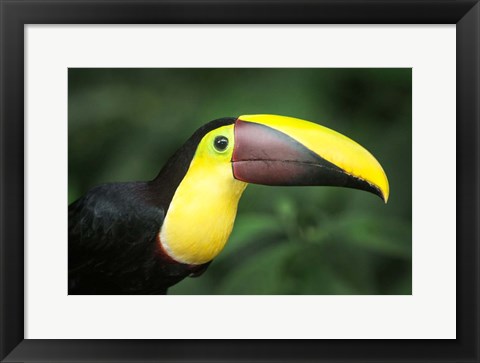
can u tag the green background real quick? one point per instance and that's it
(125, 123)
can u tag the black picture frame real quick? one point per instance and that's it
(16, 13)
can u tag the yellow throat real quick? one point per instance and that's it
(202, 211)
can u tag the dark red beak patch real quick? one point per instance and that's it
(263, 155)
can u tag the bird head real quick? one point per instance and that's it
(224, 156)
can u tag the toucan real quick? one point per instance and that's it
(143, 237)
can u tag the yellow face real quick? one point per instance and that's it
(202, 212)
(216, 147)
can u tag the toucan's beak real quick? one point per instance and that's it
(278, 150)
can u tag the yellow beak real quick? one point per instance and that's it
(279, 150)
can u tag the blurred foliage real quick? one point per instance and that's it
(125, 123)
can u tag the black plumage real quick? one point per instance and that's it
(113, 245)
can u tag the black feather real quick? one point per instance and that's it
(113, 245)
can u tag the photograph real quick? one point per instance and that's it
(240, 181)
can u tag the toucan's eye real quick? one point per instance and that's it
(220, 143)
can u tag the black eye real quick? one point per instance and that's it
(220, 143)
